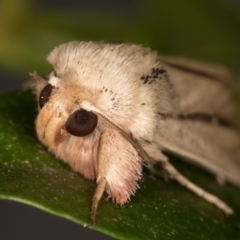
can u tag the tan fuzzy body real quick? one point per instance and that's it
(145, 104)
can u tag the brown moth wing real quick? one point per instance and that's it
(202, 128)
(209, 145)
(215, 71)
(202, 90)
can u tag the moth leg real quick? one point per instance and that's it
(153, 172)
(96, 198)
(174, 174)
(119, 168)
(194, 188)
(221, 180)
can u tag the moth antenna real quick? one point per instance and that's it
(174, 174)
(96, 198)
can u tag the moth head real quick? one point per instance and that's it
(71, 127)
(80, 123)
(64, 111)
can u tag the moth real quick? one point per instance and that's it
(109, 109)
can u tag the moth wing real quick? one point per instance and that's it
(215, 71)
(201, 130)
(208, 145)
(202, 89)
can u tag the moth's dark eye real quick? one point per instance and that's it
(44, 95)
(81, 123)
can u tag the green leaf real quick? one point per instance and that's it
(163, 210)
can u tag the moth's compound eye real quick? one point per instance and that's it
(44, 95)
(81, 123)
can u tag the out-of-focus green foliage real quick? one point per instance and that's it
(201, 29)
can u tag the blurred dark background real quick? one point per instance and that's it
(40, 25)
(12, 79)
